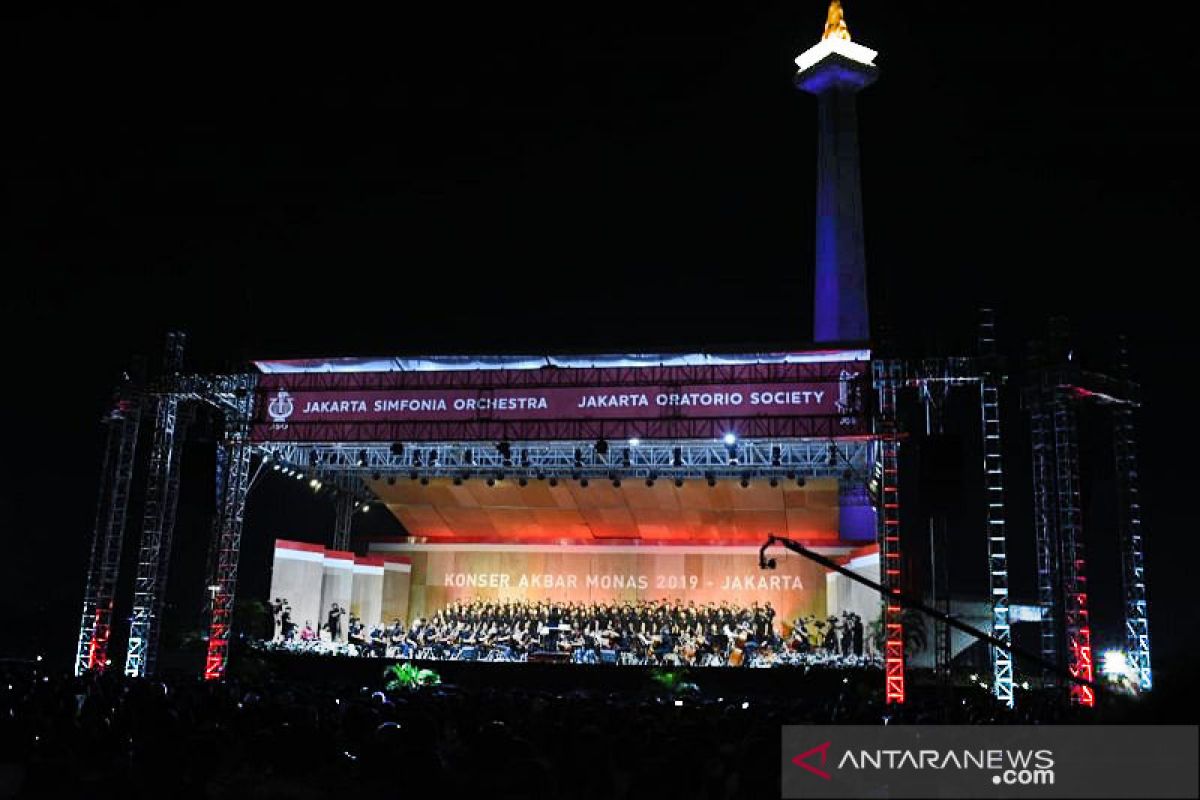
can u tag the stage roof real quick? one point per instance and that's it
(476, 362)
(696, 513)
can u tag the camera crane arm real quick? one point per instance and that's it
(910, 602)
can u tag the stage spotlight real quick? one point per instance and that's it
(583, 482)
(677, 457)
(391, 480)
(678, 482)
(491, 481)
(730, 439)
(397, 449)
(774, 481)
(616, 482)
(800, 481)
(276, 467)
(554, 481)
(299, 476)
(314, 483)
(412, 476)
(424, 480)
(649, 481)
(541, 476)
(522, 482)
(601, 447)
(266, 458)
(362, 458)
(457, 480)
(745, 482)
(791, 475)
(634, 442)
(366, 506)
(500, 476)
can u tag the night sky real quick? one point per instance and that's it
(600, 177)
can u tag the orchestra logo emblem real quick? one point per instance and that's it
(280, 408)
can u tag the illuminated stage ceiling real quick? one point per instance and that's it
(725, 513)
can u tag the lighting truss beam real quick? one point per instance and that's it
(810, 458)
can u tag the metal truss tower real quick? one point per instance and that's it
(888, 376)
(343, 518)
(997, 539)
(234, 483)
(933, 398)
(116, 474)
(1045, 522)
(1129, 520)
(1073, 565)
(158, 521)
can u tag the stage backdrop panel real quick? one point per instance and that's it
(605, 573)
(296, 579)
(337, 586)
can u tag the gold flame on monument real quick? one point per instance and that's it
(835, 23)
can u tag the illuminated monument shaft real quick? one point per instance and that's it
(835, 70)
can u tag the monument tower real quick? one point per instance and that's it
(834, 70)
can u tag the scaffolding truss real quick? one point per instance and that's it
(116, 475)
(158, 522)
(1073, 565)
(1129, 520)
(1045, 523)
(234, 483)
(888, 376)
(993, 486)
(343, 519)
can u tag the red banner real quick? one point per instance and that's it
(320, 407)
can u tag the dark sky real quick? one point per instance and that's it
(603, 176)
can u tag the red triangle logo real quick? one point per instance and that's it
(800, 760)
